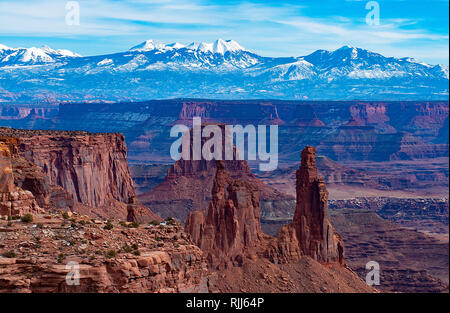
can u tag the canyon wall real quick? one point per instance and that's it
(341, 130)
(92, 167)
(79, 171)
(13, 200)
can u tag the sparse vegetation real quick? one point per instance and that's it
(9, 254)
(111, 254)
(170, 220)
(154, 222)
(61, 257)
(109, 225)
(27, 218)
(127, 249)
(134, 225)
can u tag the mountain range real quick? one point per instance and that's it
(222, 69)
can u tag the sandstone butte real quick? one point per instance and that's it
(71, 182)
(229, 233)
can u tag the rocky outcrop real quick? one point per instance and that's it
(230, 229)
(13, 200)
(75, 171)
(188, 183)
(310, 232)
(48, 259)
(231, 226)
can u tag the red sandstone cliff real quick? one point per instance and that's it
(78, 171)
(13, 200)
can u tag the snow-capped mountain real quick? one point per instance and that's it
(33, 56)
(221, 69)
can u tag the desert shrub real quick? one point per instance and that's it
(27, 218)
(170, 220)
(127, 249)
(154, 222)
(134, 225)
(9, 254)
(109, 225)
(111, 254)
(61, 257)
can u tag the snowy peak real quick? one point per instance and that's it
(33, 55)
(149, 45)
(3, 47)
(219, 46)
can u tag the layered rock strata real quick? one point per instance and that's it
(13, 200)
(78, 171)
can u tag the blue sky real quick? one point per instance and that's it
(410, 28)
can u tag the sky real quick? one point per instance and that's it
(412, 28)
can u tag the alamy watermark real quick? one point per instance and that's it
(373, 276)
(373, 16)
(73, 13)
(73, 276)
(260, 144)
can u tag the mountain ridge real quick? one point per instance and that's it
(222, 69)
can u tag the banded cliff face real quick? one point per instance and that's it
(92, 167)
(13, 200)
(84, 170)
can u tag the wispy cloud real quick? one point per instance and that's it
(271, 28)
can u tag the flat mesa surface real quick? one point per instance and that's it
(13, 132)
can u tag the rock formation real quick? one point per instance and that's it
(188, 183)
(74, 171)
(230, 228)
(314, 231)
(13, 200)
(118, 259)
(131, 209)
